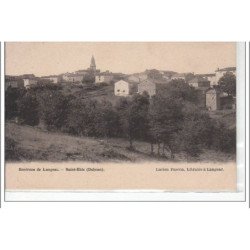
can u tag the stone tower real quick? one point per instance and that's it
(92, 64)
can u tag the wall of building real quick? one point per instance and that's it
(28, 82)
(122, 88)
(212, 80)
(103, 78)
(72, 78)
(199, 84)
(212, 100)
(52, 79)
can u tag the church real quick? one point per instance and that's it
(78, 75)
(91, 70)
(92, 64)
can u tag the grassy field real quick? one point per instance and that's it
(34, 144)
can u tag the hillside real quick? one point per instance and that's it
(91, 91)
(36, 144)
(228, 117)
(25, 143)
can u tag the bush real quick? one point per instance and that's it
(224, 139)
(53, 109)
(28, 110)
(82, 117)
(12, 95)
(180, 90)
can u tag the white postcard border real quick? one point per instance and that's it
(159, 195)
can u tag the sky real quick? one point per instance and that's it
(49, 58)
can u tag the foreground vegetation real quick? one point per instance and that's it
(171, 123)
(28, 143)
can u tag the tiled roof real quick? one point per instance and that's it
(205, 75)
(49, 76)
(227, 69)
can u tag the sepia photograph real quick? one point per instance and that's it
(112, 105)
(124, 125)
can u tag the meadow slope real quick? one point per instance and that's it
(35, 144)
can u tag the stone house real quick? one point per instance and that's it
(29, 82)
(210, 77)
(105, 77)
(124, 88)
(73, 78)
(199, 82)
(213, 100)
(52, 79)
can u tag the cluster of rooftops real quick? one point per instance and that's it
(148, 77)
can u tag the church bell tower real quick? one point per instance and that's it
(92, 64)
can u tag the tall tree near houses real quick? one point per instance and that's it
(107, 120)
(195, 132)
(133, 116)
(180, 90)
(227, 84)
(165, 116)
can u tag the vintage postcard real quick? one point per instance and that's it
(120, 116)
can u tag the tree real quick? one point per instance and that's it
(12, 95)
(28, 110)
(82, 118)
(53, 108)
(133, 117)
(196, 131)
(227, 83)
(88, 78)
(179, 89)
(223, 138)
(107, 120)
(154, 74)
(165, 117)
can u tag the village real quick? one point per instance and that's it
(99, 115)
(150, 82)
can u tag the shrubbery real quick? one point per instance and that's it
(171, 119)
(28, 109)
